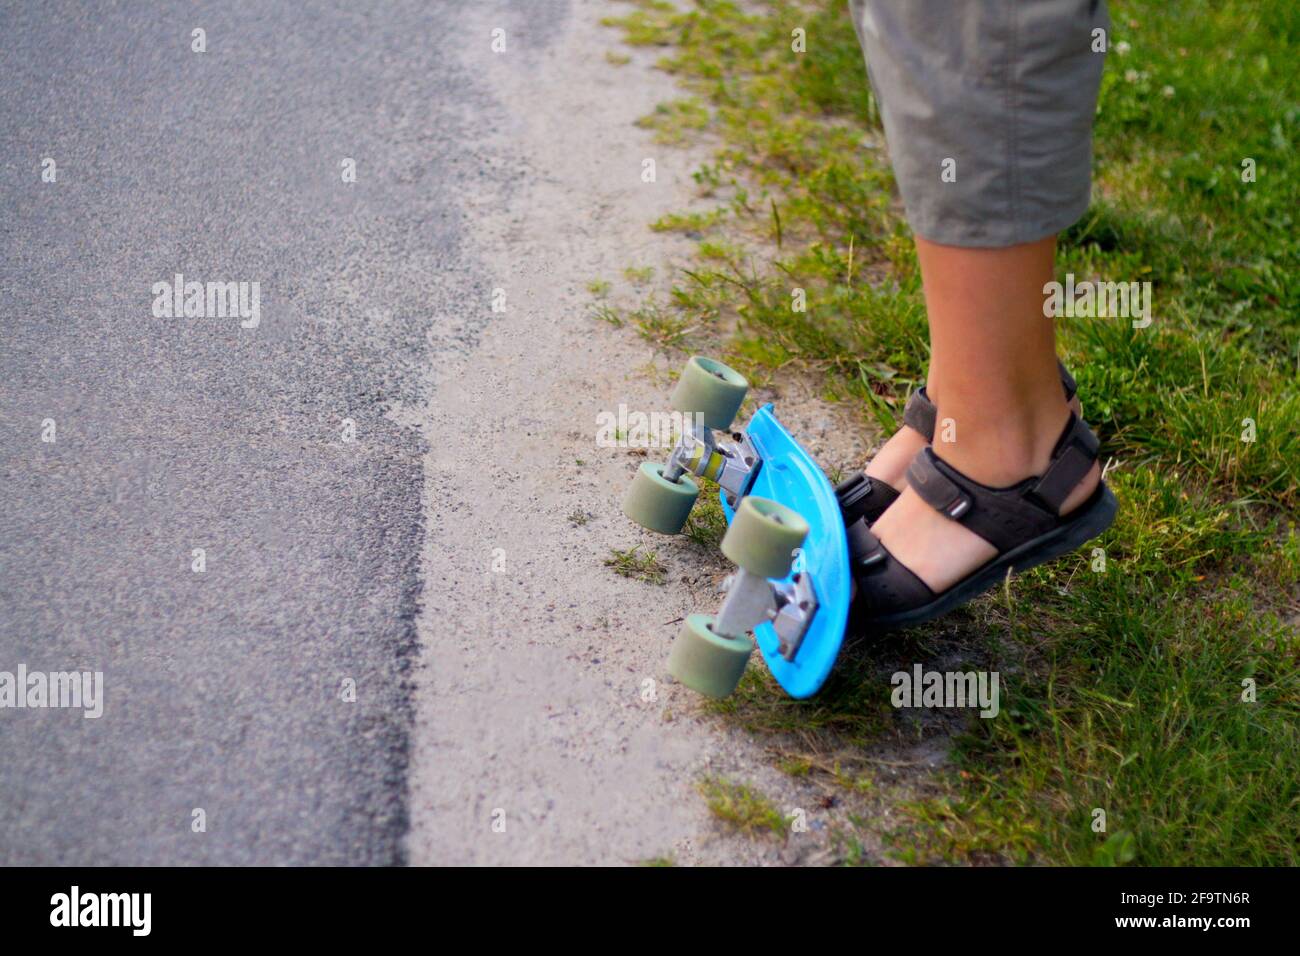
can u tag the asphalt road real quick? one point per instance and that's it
(224, 688)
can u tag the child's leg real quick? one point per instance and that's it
(988, 110)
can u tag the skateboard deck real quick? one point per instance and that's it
(788, 475)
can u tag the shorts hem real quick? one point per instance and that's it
(982, 236)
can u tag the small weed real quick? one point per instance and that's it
(638, 565)
(609, 314)
(742, 807)
(674, 122)
(661, 327)
(707, 523)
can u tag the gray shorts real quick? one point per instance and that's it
(988, 108)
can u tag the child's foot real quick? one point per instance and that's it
(941, 551)
(949, 536)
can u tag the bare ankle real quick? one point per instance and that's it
(1003, 449)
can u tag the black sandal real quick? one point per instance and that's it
(863, 497)
(1023, 522)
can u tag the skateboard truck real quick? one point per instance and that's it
(752, 600)
(697, 453)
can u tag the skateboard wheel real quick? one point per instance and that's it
(707, 662)
(763, 537)
(711, 390)
(656, 503)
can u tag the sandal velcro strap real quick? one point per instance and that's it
(864, 547)
(1073, 457)
(935, 488)
(919, 414)
(863, 497)
(1007, 517)
(853, 489)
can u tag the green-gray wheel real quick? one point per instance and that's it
(763, 537)
(711, 390)
(705, 661)
(656, 503)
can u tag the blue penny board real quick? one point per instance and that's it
(789, 475)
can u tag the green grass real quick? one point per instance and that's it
(1124, 685)
(637, 564)
(707, 523)
(742, 808)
